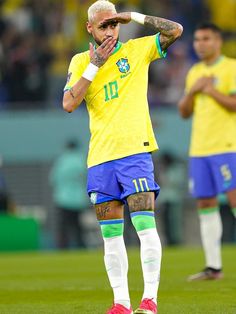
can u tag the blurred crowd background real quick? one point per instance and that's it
(37, 41)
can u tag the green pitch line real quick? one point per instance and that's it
(76, 283)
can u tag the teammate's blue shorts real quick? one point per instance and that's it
(117, 179)
(212, 175)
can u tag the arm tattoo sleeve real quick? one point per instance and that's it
(169, 30)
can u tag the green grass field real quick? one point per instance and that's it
(75, 282)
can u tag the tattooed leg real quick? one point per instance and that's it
(109, 210)
(142, 215)
(141, 202)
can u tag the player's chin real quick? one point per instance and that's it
(201, 55)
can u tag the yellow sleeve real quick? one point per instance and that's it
(232, 79)
(150, 46)
(77, 67)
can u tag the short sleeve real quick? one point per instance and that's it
(150, 46)
(77, 67)
(157, 52)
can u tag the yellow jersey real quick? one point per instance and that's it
(213, 126)
(116, 100)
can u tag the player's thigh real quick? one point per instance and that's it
(143, 201)
(232, 197)
(135, 175)
(109, 210)
(102, 184)
(201, 178)
(224, 169)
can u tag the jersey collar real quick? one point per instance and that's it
(117, 47)
(218, 61)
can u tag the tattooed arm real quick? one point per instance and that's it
(169, 30)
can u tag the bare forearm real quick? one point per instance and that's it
(166, 27)
(186, 106)
(227, 101)
(73, 97)
(169, 30)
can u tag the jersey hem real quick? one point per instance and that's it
(212, 154)
(90, 165)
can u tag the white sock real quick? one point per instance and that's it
(211, 233)
(116, 263)
(151, 253)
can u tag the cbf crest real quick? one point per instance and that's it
(123, 65)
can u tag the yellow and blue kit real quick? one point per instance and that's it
(116, 100)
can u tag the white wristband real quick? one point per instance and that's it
(138, 17)
(90, 72)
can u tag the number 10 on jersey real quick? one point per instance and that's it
(111, 91)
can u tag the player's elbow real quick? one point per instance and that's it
(178, 30)
(67, 105)
(184, 113)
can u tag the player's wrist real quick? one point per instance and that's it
(90, 72)
(138, 17)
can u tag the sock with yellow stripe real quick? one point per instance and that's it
(211, 233)
(150, 251)
(115, 258)
(234, 211)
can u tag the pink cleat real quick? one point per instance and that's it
(147, 306)
(119, 309)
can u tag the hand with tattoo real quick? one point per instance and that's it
(100, 55)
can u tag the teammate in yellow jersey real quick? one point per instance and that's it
(211, 97)
(112, 77)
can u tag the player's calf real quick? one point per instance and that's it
(143, 219)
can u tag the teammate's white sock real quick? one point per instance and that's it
(151, 253)
(211, 233)
(116, 263)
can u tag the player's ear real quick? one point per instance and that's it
(89, 28)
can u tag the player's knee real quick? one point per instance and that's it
(207, 203)
(109, 210)
(141, 201)
(143, 220)
(232, 198)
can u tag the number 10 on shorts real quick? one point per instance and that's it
(141, 185)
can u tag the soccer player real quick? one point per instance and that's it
(112, 77)
(211, 97)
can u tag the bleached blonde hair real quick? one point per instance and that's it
(99, 6)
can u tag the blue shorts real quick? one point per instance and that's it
(117, 179)
(212, 175)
